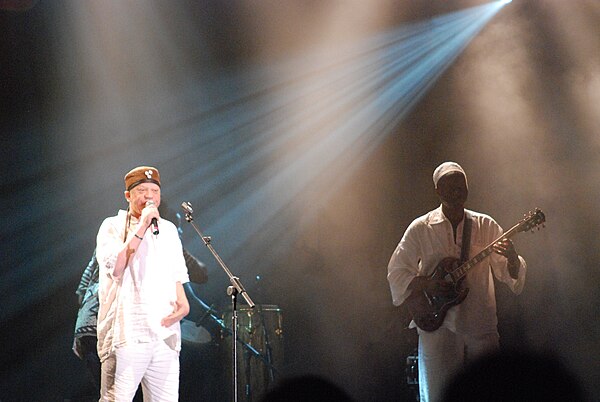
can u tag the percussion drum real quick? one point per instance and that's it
(194, 335)
(260, 328)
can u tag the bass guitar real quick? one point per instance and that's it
(428, 310)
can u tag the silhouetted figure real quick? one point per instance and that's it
(515, 377)
(439, 242)
(309, 388)
(84, 342)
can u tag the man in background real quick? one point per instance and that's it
(469, 329)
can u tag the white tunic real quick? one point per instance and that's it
(132, 306)
(427, 241)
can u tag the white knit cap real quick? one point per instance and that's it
(444, 169)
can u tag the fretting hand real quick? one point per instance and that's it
(506, 248)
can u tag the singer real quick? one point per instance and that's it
(141, 295)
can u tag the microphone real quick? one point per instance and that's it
(154, 222)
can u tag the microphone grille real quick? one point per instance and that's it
(187, 207)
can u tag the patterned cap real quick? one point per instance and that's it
(141, 174)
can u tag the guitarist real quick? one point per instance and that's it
(469, 329)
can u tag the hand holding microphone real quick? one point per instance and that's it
(154, 221)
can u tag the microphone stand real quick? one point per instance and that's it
(236, 288)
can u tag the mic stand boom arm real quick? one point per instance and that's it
(233, 290)
(234, 280)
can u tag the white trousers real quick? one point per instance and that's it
(442, 353)
(153, 364)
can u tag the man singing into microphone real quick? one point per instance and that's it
(142, 299)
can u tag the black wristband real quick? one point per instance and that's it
(136, 235)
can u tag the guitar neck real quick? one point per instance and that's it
(462, 270)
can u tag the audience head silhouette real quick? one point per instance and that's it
(310, 388)
(515, 377)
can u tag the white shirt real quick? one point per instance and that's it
(132, 306)
(427, 241)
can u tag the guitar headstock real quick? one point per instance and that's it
(531, 220)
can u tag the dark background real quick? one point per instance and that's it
(85, 96)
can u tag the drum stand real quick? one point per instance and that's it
(233, 290)
(250, 350)
(268, 348)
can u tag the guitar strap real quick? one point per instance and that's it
(466, 239)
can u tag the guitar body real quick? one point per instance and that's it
(428, 310)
